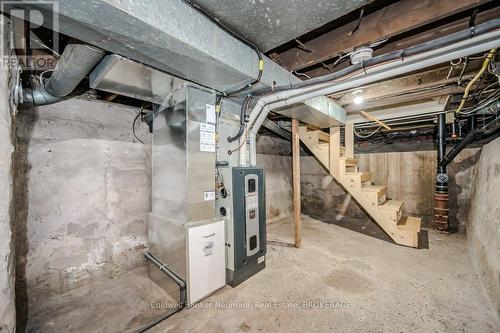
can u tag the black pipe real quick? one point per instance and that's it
(458, 148)
(441, 179)
(486, 129)
(441, 210)
(182, 293)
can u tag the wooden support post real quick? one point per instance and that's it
(296, 182)
(335, 152)
(349, 140)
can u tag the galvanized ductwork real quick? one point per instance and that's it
(76, 62)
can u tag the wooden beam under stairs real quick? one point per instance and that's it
(342, 165)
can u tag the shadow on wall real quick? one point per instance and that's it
(460, 189)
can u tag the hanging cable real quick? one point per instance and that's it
(242, 143)
(486, 62)
(368, 135)
(140, 113)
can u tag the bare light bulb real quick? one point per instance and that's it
(358, 100)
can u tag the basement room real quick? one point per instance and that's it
(249, 166)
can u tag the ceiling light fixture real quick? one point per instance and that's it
(358, 97)
(358, 100)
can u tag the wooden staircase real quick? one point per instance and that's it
(342, 165)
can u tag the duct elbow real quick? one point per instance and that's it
(76, 62)
(38, 96)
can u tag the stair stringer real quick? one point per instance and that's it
(386, 218)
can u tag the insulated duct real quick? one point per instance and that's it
(75, 63)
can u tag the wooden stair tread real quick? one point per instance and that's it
(350, 161)
(392, 205)
(365, 176)
(312, 127)
(325, 137)
(380, 190)
(409, 223)
(373, 188)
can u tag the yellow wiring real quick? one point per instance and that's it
(486, 62)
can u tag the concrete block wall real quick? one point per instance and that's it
(82, 196)
(7, 294)
(483, 229)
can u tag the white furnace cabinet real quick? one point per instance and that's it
(206, 260)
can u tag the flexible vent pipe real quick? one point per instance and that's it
(75, 63)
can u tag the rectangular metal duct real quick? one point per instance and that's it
(318, 111)
(170, 36)
(122, 76)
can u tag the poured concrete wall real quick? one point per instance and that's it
(483, 229)
(278, 186)
(409, 176)
(321, 197)
(82, 194)
(273, 154)
(7, 303)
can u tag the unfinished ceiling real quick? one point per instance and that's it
(270, 23)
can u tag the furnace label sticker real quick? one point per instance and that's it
(211, 119)
(207, 137)
(209, 195)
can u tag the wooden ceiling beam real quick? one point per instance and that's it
(389, 21)
(419, 38)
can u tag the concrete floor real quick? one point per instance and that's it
(370, 285)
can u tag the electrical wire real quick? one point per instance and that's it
(486, 62)
(488, 100)
(367, 136)
(133, 124)
(242, 143)
(238, 37)
(40, 77)
(45, 46)
(453, 65)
